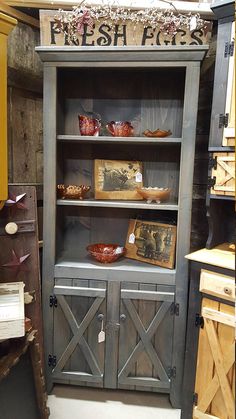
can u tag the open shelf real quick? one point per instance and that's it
(118, 204)
(121, 270)
(119, 140)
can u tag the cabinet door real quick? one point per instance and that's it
(145, 344)
(80, 308)
(215, 365)
(224, 174)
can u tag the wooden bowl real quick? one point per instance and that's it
(72, 191)
(154, 194)
(158, 133)
(106, 253)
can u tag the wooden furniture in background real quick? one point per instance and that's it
(221, 174)
(19, 234)
(6, 25)
(78, 292)
(209, 375)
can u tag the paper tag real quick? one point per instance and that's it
(118, 250)
(131, 238)
(101, 335)
(193, 23)
(138, 177)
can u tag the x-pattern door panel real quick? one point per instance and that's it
(80, 358)
(145, 337)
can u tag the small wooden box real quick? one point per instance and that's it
(224, 174)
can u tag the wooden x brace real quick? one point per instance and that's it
(78, 338)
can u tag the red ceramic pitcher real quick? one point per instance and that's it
(120, 128)
(89, 126)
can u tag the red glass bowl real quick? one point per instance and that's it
(106, 253)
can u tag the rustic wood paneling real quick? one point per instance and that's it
(25, 138)
(21, 49)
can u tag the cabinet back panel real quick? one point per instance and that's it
(150, 99)
(160, 164)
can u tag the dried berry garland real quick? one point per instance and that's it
(71, 23)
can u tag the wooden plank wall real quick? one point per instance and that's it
(25, 111)
(25, 123)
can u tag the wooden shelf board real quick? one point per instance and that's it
(117, 204)
(224, 197)
(221, 149)
(120, 270)
(222, 256)
(119, 140)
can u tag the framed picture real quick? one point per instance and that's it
(151, 242)
(117, 179)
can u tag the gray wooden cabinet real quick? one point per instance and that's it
(142, 306)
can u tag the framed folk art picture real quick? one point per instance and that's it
(117, 179)
(151, 242)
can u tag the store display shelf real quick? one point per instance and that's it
(119, 140)
(170, 206)
(123, 269)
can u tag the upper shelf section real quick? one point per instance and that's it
(100, 56)
(149, 99)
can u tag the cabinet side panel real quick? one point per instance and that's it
(220, 84)
(49, 122)
(184, 224)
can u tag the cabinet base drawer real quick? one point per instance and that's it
(216, 284)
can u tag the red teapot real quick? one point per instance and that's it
(120, 128)
(89, 126)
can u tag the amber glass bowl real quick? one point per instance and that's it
(154, 194)
(106, 253)
(72, 191)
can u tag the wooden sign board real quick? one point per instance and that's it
(151, 242)
(117, 179)
(123, 34)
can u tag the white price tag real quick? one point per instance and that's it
(131, 238)
(101, 335)
(193, 23)
(118, 250)
(138, 177)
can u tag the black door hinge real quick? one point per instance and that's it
(52, 360)
(171, 372)
(223, 120)
(211, 182)
(229, 49)
(53, 301)
(195, 399)
(212, 162)
(199, 321)
(174, 309)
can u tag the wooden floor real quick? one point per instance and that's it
(84, 403)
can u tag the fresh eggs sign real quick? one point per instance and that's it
(106, 34)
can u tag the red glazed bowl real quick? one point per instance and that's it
(106, 253)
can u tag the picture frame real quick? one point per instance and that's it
(151, 242)
(117, 179)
